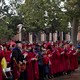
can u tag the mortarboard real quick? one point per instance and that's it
(18, 42)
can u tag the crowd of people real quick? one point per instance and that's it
(37, 61)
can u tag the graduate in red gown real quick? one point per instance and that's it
(7, 53)
(66, 56)
(62, 60)
(1, 56)
(49, 54)
(32, 65)
(73, 58)
(56, 58)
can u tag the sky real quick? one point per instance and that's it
(7, 1)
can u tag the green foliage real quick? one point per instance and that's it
(14, 21)
(5, 33)
(73, 8)
(9, 18)
(37, 13)
(8, 25)
(33, 14)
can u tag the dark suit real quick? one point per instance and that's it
(17, 54)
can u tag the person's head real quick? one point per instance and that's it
(32, 50)
(1, 47)
(5, 48)
(37, 47)
(18, 44)
(66, 45)
(49, 47)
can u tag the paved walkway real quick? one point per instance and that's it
(73, 76)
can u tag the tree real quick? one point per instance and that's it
(73, 11)
(5, 34)
(9, 18)
(44, 15)
(39, 14)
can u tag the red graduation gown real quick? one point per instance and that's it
(73, 60)
(45, 59)
(7, 55)
(1, 56)
(67, 61)
(71, 57)
(56, 58)
(32, 67)
(62, 60)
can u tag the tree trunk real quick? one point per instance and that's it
(75, 24)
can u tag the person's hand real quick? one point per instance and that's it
(75, 53)
(14, 59)
(20, 62)
(49, 55)
(24, 61)
(34, 59)
(25, 55)
(62, 52)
